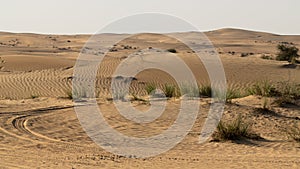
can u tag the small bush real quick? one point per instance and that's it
(288, 93)
(294, 133)
(169, 90)
(287, 52)
(69, 94)
(119, 94)
(264, 88)
(150, 88)
(76, 93)
(189, 90)
(34, 96)
(232, 94)
(234, 130)
(267, 57)
(172, 50)
(1, 63)
(205, 90)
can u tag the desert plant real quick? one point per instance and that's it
(288, 93)
(1, 63)
(33, 96)
(205, 90)
(119, 94)
(136, 98)
(265, 105)
(76, 93)
(150, 88)
(294, 133)
(189, 90)
(169, 90)
(287, 52)
(264, 88)
(172, 50)
(232, 94)
(267, 57)
(69, 94)
(234, 130)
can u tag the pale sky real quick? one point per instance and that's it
(88, 16)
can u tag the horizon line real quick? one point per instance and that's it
(204, 31)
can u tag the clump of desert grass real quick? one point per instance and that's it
(76, 93)
(150, 88)
(289, 93)
(294, 133)
(264, 88)
(237, 129)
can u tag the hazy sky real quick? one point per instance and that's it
(88, 16)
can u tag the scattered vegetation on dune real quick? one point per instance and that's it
(172, 50)
(287, 52)
(288, 93)
(232, 94)
(263, 88)
(76, 93)
(233, 130)
(170, 91)
(150, 88)
(205, 90)
(1, 63)
(294, 133)
(267, 57)
(189, 90)
(34, 96)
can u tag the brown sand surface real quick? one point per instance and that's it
(39, 127)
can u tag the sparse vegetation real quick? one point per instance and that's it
(170, 90)
(205, 90)
(232, 94)
(267, 57)
(288, 93)
(33, 96)
(233, 130)
(119, 94)
(287, 52)
(264, 88)
(189, 90)
(136, 98)
(1, 63)
(172, 50)
(69, 94)
(150, 88)
(76, 93)
(294, 133)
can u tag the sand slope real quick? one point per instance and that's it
(39, 128)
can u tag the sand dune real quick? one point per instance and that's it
(39, 127)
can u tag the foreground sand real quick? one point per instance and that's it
(44, 132)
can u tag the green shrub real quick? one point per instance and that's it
(288, 93)
(205, 90)
(150, 88)
(232, 94)
(234, 130)
(189, 90)
(169, 90)
(287, 52)
(264, 88)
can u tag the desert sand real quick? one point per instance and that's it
(39, 127)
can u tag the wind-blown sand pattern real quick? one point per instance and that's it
(39, 128)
